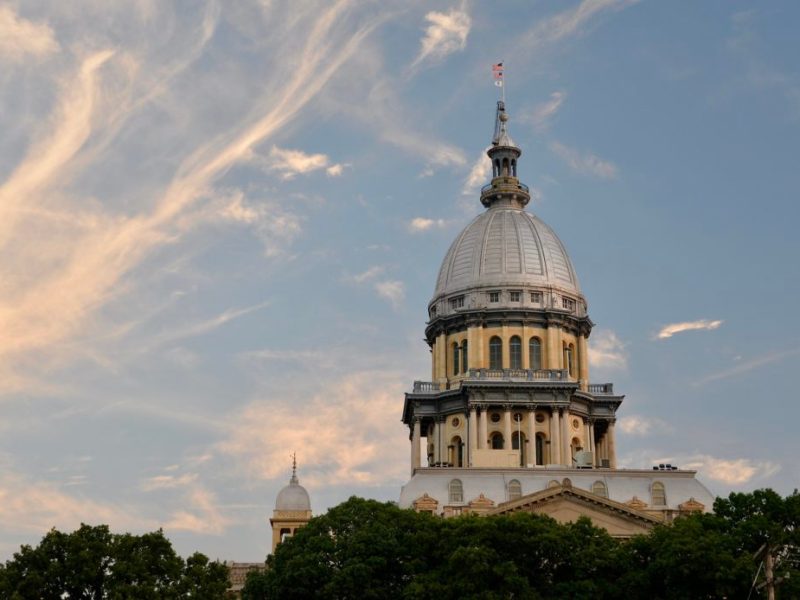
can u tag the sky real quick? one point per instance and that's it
(221, 223)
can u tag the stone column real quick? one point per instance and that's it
(532, 436)
(472, 433)
(483, 429)
(612, 446)
(554, 354)
(437, 457)
(555, 437)
(507, 428)
(583, 361)
(440, 364)
(415, 438)
(592, 447)
(506, 349)
(566, 438)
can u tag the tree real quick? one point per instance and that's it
(91, 563)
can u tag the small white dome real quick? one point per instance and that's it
(293, 497)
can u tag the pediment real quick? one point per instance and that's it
(565, 504)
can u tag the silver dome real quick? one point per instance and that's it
(293, 497)
(506, 247)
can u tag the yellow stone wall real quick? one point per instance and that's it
(553, 339)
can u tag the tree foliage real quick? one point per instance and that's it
(92, 563)
(367, 549)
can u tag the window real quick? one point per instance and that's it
(599, 489)
(568, 304)
(515, 352)
(540, 448)
(464, 361)
(494, 296)
(515, 296)
(536, 297)
(433, 311)
(457, 456)
(456, 362)
(497, 441)
(535, 351)
(659, 495)
(457, 302)
(514, 489)
(456, 491)
(495, 353)
(495, 417)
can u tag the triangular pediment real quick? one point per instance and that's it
(565, 503)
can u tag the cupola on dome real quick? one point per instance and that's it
(294, 496)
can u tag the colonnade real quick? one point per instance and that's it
(603, 449)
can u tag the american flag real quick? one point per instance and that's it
(498, 74)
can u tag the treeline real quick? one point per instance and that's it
(92, 563)
(366, 549)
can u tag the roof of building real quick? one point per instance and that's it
(506, 247)
(294, 496)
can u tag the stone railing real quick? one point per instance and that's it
(601, 388)
(519, 374)
(503, 182)
(421, 387)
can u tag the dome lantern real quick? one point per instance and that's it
(505, 188)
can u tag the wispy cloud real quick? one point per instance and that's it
(570, 22)
(393, 291)
(290, 163)
(20, 38)
(371, 273)
(479, 174)
(446, 33)
(639, 425)
(162, 482)
(544, 112)
(201, 515)
(419, 224)
(748, 365)
(584, 163)
(700, 325)
(735, 472)
(330, 443)
(607, 351)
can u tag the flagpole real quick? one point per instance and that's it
(503, 87)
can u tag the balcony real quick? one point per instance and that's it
(601, 389)
(426, 387)
(518, 374)
(505, 184)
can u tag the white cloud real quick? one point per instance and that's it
(370, 273)
(545, 111)
(734, 472)
(701, 325)
(584, 163)
(295, 162)
(20, 38)
(748, 365)
(36, 506)
(201, 515)
(393, 291)
(446, 34)
(479, 174)
(161, 482)
(274, 225)
(570, 22)
(332, 446)
(419, 224)
(638, 425)
(607, 351)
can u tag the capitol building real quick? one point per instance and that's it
(509, 419)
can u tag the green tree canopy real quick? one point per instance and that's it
(92, 563)
(367, 549)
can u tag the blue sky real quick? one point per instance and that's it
(220, 226)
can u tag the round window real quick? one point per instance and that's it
(540, 417)
(495, 417)
(456, 422)
(518, 417)
(575, 423)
